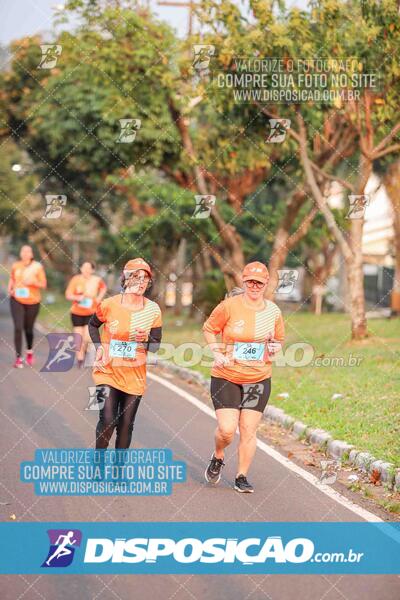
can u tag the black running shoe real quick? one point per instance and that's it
(242, 485)
(213, 471)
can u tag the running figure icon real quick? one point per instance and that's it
(62, 549)
(62, 351)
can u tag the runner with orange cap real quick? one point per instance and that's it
(131, 326)
(27, 278)
(252, 332)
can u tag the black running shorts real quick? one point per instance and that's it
(254, 396)
(80, 320)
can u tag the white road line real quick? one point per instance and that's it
(325, 489)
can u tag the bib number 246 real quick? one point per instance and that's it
(248, 351)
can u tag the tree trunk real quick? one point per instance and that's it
(355, 274)
(284, 241)
(197, 279)
(277, 261)
(321, 271)
(180, 268)
(392, 185)
(162, 260)
(352, 252)
(355, 278)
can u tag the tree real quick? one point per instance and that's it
(360, 131)
(374, 117)
(68, 117)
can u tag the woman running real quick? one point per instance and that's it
(131, 326)
(85, 291)
(27, 278)
(252, 332)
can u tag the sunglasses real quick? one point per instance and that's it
(255, 284)
(130, 275)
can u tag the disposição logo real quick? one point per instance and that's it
(63, 543)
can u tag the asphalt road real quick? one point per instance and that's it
(47, 410)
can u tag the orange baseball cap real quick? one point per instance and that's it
(255, 270)
(137, 264)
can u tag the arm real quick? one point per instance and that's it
(36, 279)
(151, 341)
(279, 329)
(11, 283)
(211, 340)
(73, 297)
(70, 292)
(212, 327)
(275, 344)
(41, 279)
(94, 326)
(102, 291)
(154, 341)
(96, 321)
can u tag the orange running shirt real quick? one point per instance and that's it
(26, 279)
(90, 287)
(237, 322)
(126, 374)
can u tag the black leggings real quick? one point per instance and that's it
(24, 316)
(119, 411)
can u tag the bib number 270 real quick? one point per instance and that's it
(122, 349)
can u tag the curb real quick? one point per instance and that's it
(336, 449)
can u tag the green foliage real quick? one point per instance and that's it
(211, 291)
(106, 72)
(15, 189)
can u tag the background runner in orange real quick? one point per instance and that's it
(85, 291)
(27, 279)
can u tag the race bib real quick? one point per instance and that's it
(122, 349)
(22, 292)
(86, 302)
(248, 350)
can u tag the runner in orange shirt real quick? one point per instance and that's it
(85, 291)
(252, 332)
(131, 325)
(27, 278)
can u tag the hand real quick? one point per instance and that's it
(220, 360)
(274, 346)
(140, 335)
(100, 360)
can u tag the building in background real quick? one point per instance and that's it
(377, 247)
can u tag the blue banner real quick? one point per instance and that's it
(200, 548)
